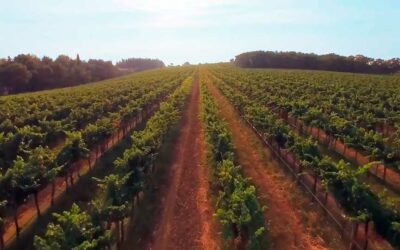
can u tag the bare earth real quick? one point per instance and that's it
(186, 221)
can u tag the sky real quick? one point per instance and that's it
(201, 31)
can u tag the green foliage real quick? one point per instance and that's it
(237, 205)
(116, 190)
(2, 215)
(26, 177)
(32, 127)
(43, 118)
(81, 230)
(115, 198)
(73, 229)
(332, 62)
(74, 149)
(20, 180)
(301, 97)
(44, 160)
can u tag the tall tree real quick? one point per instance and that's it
(14, 77)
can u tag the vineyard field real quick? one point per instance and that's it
(204, 157)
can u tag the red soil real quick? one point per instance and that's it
(186, 221)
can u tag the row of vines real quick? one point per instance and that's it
(118, 192)
(360, 110)
(238, 208)
(257, 95)
(45, 136)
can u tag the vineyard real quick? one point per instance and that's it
(204, 157)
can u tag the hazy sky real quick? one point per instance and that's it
(197, 31)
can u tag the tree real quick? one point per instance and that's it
(27, 72)
(333, 62)
(14, 77)
(139, 64)
(101, 70)
(30, 61)
(43, 77)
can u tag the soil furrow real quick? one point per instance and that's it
(186, 218)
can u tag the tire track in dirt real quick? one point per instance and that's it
(292, 221)
(186, 220)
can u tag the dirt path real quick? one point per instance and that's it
(293, 220)
(186, 221)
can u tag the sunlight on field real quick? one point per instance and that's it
(199, 124)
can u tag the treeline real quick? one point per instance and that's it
(330, 62)
(26, 72)
(139, 64)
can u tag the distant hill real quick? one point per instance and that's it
(330, 62)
